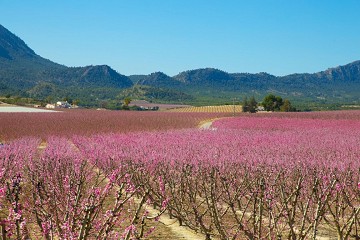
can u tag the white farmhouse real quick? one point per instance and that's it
(62, 104)
(50, 105)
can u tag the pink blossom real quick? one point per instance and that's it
(2, 192)
(162, 185)
(97, 192)
(164, 203)
(130, 229)
(46, 228)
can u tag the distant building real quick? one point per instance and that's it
(143, 105)
(50, 105)
(155, 108)
(260, 109)
(62, 104)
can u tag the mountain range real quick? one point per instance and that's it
(24, 73)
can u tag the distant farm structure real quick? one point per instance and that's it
(145, 105)
(60, 104)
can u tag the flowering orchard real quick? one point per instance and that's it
(250, 177)
(266, 182)
(60, 194)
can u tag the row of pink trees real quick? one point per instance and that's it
(280, 179)
(252, 178)
(60, 194)
(12, 159)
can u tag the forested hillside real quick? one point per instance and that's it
(26, 74)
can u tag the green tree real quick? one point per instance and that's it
(68, 99)
(272, 102)
(127, 101)
(125, 106)
(245, 104)
(76, 102)
(287, 107)
(278, 103)
(252, 105)
(49, 99)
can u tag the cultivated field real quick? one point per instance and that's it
(210, 109)
(255, 176)
(89, 122)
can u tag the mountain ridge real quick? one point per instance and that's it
(24, 73)
(10, 41)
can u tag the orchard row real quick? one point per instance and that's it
(267, 177)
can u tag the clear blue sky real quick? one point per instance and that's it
(143, 36)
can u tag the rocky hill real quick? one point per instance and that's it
(24, 73)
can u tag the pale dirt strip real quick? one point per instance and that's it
(180, 232)
(206, 124)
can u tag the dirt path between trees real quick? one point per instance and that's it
(178, 232)
(167, 228)
(206, 125)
